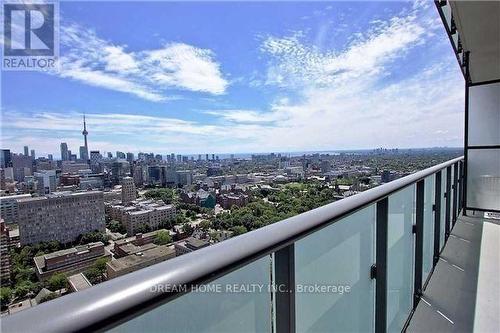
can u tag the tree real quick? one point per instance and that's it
(187, 229)
(5, 296)
(100, 264)
(162, 238)
(205, 225)
(165, 194)
(48, 297)
(143, 228)
(93, 236)
(57, 281)
(24, 288)
(95, 272)
(116, 226)
(167, 224)
(238, 230)
(93, 275)
(180, 219)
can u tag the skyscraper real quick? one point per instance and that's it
(5, 158)
(64, 151)
(83, 154)
(86, 147)
(128, 190)
(26, 151)
(33, 154)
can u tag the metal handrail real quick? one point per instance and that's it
(122, 298)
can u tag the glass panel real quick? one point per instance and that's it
(443, 208)
(484, 115)
(455, 40)
(339, 255)
(227, 310)
(400, 242)
(447, 14)
(483, 179)
(428, 238)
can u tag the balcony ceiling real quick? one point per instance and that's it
(478, 24)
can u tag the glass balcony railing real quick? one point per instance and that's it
(358, 264)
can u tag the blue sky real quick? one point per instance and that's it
(241, 77)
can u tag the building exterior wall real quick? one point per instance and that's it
(128, 190)
(4, 254)
(9, 208)
(60, 217)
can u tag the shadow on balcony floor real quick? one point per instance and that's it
(463, 294)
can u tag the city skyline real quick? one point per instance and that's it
(301, 77)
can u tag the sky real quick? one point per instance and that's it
(240, 77)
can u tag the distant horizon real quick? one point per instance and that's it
(249, 154)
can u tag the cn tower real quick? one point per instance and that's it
(85, 133)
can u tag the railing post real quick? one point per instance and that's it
(285, 292)
(455, 191)
(437, 217)
(459, 203)
(447, 219)
(381, 266)
(419, 242)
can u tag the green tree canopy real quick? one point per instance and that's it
(5, 296)
(162, 238)
(238, 230)
(57, 281)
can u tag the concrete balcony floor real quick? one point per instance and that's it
(463, 294)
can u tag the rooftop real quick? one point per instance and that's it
(73, 250)
(79, 282)
(148, 254)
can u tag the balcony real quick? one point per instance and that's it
(394, 257)
(415, 254)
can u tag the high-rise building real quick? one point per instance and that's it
(5, 158)
(22, 166)
(46, 181)
(51, 158)
(138, 175)
(130, 158)
(4, 254)
(119, 169)
(8, 207)
(128, 190)
(86, 146)
(120, 154)
(64, 151)
(33, 154)
(2, 179)
(95, 159)
(83, 154)
(26, 151)
(60, 216)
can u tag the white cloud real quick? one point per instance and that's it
(355, 97)
(185, 66)
(246, 116)
(147, 74)
(297, 64)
